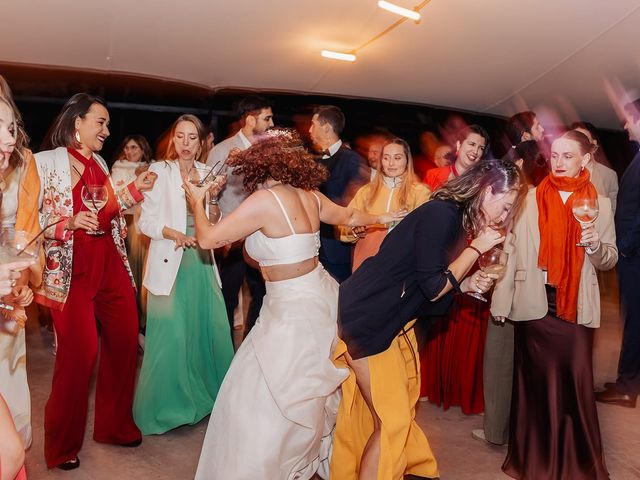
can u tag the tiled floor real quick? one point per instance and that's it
(174, 455)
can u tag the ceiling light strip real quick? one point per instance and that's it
(398, 10)
(351, 56)
(345, 57)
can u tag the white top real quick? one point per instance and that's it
(123, 173)
(294, 248)
(9, 207)
(333, 149)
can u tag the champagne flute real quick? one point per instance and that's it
(585, 211)
(94, 197)
(16, 245)
(493, 261)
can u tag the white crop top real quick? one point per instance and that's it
(293, 248)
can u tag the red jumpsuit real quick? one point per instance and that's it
(101, 298)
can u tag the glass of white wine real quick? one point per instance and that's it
(585, 211)
(94, 197)
(16, 245)
(493, 261)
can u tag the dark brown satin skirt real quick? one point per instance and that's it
(554, 432)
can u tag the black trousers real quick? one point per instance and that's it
(233, 271)
(629, 365)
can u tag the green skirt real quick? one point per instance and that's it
(188, 349)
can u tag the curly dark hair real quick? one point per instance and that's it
(278, 154)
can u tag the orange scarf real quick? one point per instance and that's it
(559, 233)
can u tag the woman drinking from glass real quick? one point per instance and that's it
(419, 265)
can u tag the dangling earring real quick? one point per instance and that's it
(77, 136)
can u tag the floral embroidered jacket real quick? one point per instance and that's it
(56, 203)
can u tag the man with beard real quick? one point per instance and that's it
(256, 117)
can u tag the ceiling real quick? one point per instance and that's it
(562, 58)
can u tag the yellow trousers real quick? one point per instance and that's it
(395, 388)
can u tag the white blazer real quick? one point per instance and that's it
(164, 206)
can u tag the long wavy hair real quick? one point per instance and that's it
(468, 191)
(409, 180)
(278, 154)
(22, 139)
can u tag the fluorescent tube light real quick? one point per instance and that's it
(405, 12)
(345, 57)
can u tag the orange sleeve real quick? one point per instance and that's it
(27, 216)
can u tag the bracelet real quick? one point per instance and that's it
(475, 249)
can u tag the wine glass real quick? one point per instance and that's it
(199, 173)
(585, 211)
(16, 245)
(215, 214)
(492, 261)
(94, 197)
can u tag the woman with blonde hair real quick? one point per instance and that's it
(550, 292)
(396, 187)
(18, 182)
(187, 344)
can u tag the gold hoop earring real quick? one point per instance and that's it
(77, 136)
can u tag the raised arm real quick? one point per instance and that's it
(132, 194)
(242, 222)
(333, 214)
(432, 245)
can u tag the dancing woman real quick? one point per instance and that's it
(414, 274)
(87, 283)
(276, 407)
(188, 345)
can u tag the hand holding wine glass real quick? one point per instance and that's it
(94, 197)
(585, 211)
(18, 250)
(492, 263)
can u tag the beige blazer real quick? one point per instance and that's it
(520, 294)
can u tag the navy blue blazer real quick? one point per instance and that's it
(627, 218)
(398, 284)
(347, 173)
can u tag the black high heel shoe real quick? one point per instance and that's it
(69, 465)
(135, 443)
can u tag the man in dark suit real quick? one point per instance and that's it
(347, 173)
(624, 391)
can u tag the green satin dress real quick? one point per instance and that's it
(188, 348)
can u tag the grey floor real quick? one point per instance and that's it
(175, 454)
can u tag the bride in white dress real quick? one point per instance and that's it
(276, 407)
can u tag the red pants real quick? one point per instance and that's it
(101, 293)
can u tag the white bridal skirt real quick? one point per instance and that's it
(276, 409)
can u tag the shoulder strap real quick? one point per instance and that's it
(317, 198)
(283, 210)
